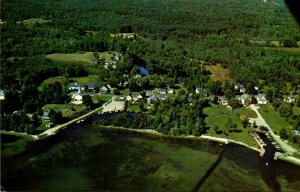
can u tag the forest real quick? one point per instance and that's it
(176, 40)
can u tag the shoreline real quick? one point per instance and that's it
(202, 137)
(261, 151)
(287, 158)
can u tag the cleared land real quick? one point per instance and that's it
(72, 57)
(219, 73)
(30, 22)
(296, 110)
(271, 116)
(243, 111)
(62, 80)
(68, 110)
(101, 98)
(85, 80)
(80, 57)
(107, 55)
(219, 116)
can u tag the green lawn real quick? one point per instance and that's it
(125, 92)
(103, 98)
(68, 110)
(72, 57)
(218, 116)
(42, 127)
(106, 55)
(273, 118)
(243, 111)
(58, 107)
(79, 57)
(61, 79)
(296, 110)
(85, 80)
(134, 107)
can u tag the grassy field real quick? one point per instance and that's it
(218, 116)
(296, 110)
(106, 55)
(243, 111)
(273, 118)
(58, 107)
(60, 79)
(85, 80)
(68, 110)
(72, 57)
(219, 73)
(102, 98)
(134, 107)
(30, 22)
(79, 57)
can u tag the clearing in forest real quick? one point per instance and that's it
(219, 73)
(72, 57)
(30, 22)
(90, 79)
(80, 57)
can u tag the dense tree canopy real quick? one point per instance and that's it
(175, 40)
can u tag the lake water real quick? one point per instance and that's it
(89, 158)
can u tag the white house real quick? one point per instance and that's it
(162, 97)
(291, 99)
(74, 86)
(170, 91)
(240, 87)
(149, 93)
(162, 91)
(223, 100)
(77, 98)
(103, 89)
(139, 97)
(261, 99)
(128, 98)
(151, 99)
(243, 98)
(2, 95)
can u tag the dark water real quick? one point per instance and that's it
(8, 138)
(87, 158)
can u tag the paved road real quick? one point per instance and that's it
(261, 121)
(109, 106)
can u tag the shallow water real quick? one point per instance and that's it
(88, 158)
